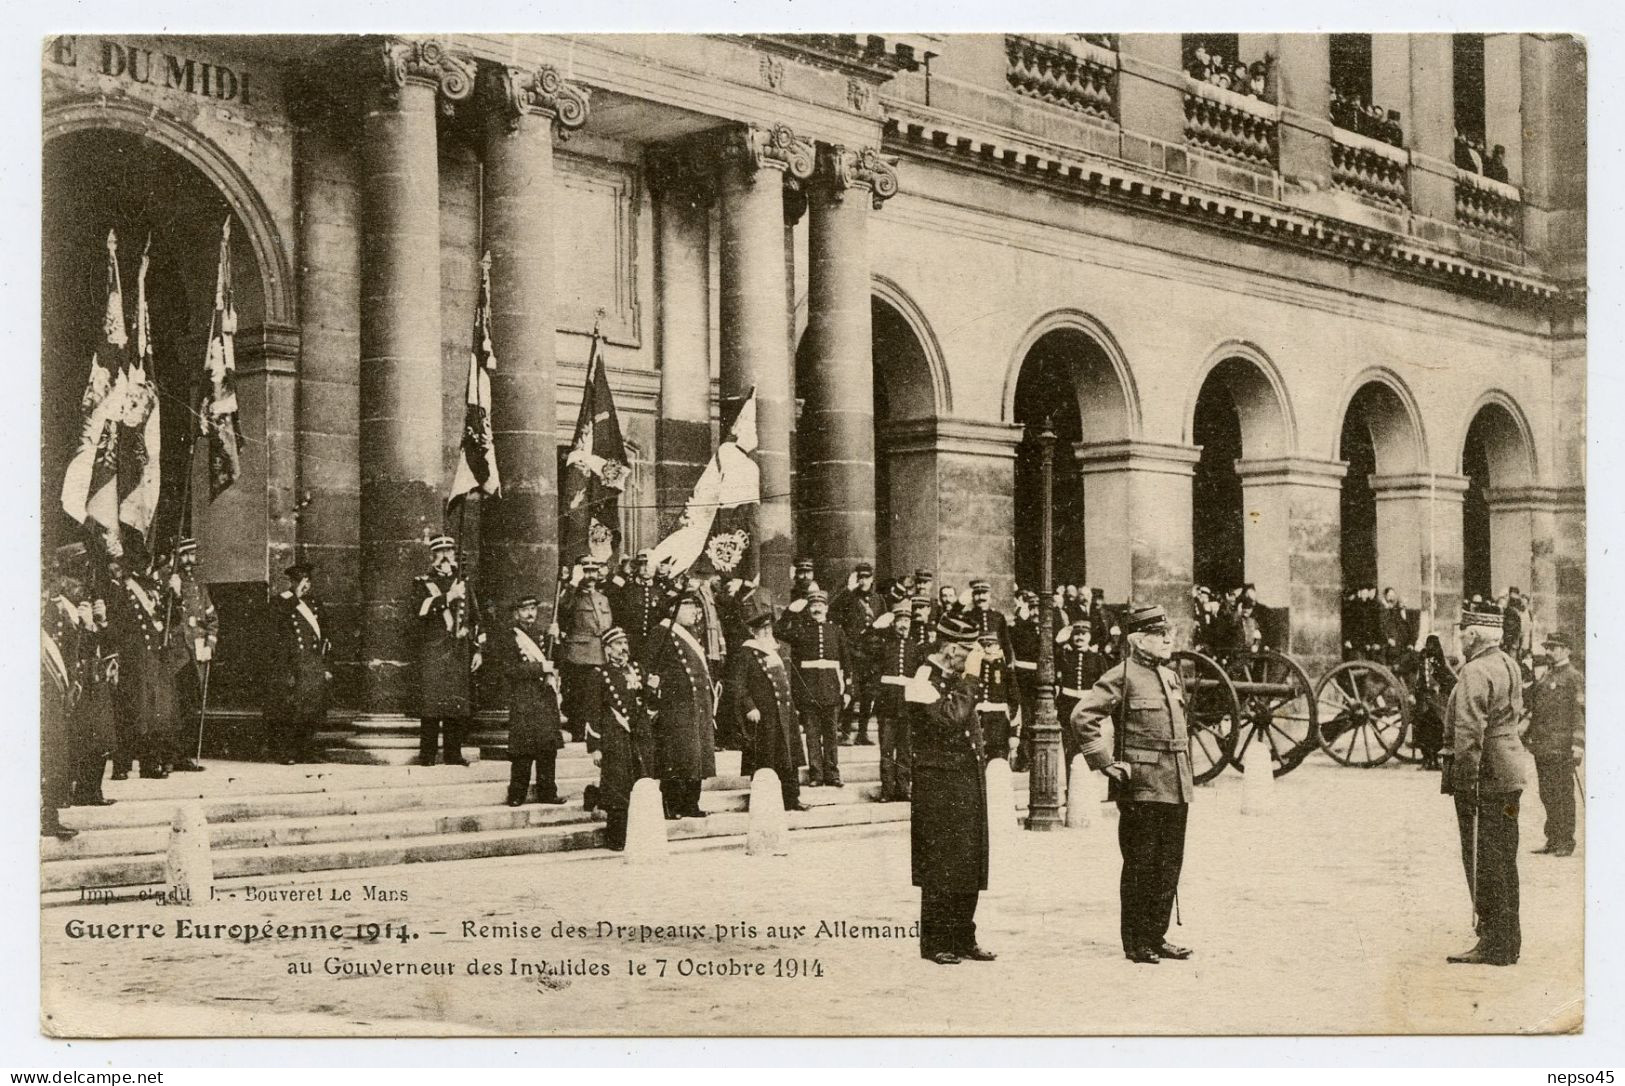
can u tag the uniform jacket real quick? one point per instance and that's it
(91, 668)
(994, 677)
(195, 613)
(823, 665)
(627, 740)
(1557, 713)
(448, 637)
(948, 834)
(147, 662)
(1024, 657)
(300, 648)
(533, 693)
(853, 611)
(760, 681)
(685, 720)
(1481, 725)
(990, 619)
(638, 606)
(1149, 701)
(1077, 672)
(896, 660)
(946, 733)
(584, 614)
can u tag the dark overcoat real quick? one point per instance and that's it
(147, 665)
(685, 724)
(760, 682)
(948, 817)
(533, 696)
(300, 651)
(447, 639)
(627, 739)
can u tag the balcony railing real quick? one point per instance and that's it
(1064, 70)
(1231, 124)
(1488, 207)
(1369, 168)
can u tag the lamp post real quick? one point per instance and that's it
(1044, 788)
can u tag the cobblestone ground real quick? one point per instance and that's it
(1333, 914)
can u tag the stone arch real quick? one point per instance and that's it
(276, 284)
(1395, 419)
(888, 293)
(1254, 383)
(1509, 439)
(1108, 398)
(1499, 533)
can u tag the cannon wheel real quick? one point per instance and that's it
(1211, 713)
(1363, 713)
(1284, 718)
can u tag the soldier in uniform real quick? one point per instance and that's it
(1077, 668)
(986, 619)
(802, 580)
(1556, 737)
(584, 615)
(897, 657)
(56, 697)
(639, 604)
(854, 610)
(1486, 778)
(685, 720)
(198, 632)
(1024, 636)
(948, 819)
(301, 650)
(76, 620)
(449, 640)
(760, 686)
(994, 677)
(1150, 772)
(624, 750)
(534, 730)
(822, 665)
(923, 631)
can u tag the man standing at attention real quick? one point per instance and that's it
(1149, 764)
(1556, 737)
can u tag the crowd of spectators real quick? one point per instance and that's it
(1353, 113)
(1228, 74)
(1470, 156)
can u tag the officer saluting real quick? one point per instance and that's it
(822, 668)
(449, 637)
(1150, 770)
(898, 658)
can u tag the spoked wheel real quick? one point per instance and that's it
(1363, 713)
(1211, 713)
(1277, 708)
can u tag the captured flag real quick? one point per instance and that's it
(595, 471)
(139, 436)
(90, 485)
(218, 416)
(477, 466)
(712, 523)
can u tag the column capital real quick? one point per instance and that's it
(750, 148)
(516, 93)
(840, 169)
(1419, 485)
(1534, 499)
(1292, 471)
(426, 62)
(1161, 458)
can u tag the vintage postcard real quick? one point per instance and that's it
(813, 534)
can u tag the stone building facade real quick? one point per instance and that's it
(915, 249)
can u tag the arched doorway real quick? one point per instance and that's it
(1380, 539)
(1497, 545)
(906, 398)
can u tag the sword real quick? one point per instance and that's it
(1472, 880)
(203, 707)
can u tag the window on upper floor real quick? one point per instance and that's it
(1216, 59)
(1467, 56)
(1353, 105)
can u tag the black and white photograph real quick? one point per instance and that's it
(792, 534)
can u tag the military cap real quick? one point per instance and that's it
(1484, 619)
(759, 614)
(1146, 619)
(903, 610)
(981, 585)
(863, 567)
(589, 562)
(804, 565)
(920, 603)
(924, 575)
(185, 545)
(526, 601)
(443, 543)
(1557, 640)
(957, 630)
(817, 595)
(299, 571)
(68, 554)
(611, 635)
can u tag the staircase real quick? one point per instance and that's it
(272, 821)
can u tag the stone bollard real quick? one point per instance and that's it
(188, 871)
(645, 823)
(769, 825)
(1258, 777)
(1079, 795)
(1001, 820)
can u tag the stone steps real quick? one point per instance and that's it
(279, 821)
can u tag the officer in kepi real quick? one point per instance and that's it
(1484, 773)
(301, 650)
(199, 632)
(1149, 764)
(449, 640)
(1556, 737)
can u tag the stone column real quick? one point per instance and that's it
(1432, 131)
(1503, 100)
(835, 483)
(682, 194)
(755, 355)
(1553, 70)
(1520, 554)
(1419, 541)
(1293, 546)
(402, 476)
(520, 529)
(1137, 523)
(1304, 79)
(1444, 554)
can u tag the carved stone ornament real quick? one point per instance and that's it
(777, 148)
(865, 168)
(424, 61)
(543, 91)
